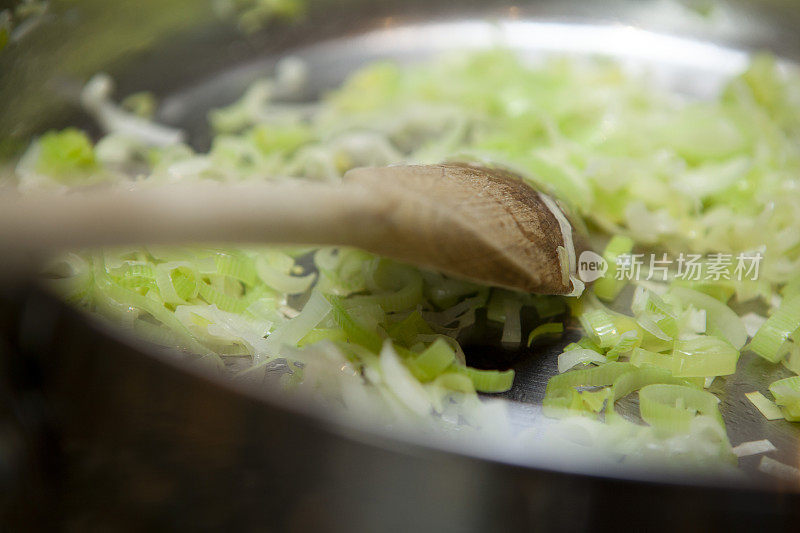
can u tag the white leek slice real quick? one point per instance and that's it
(570, 359)
(765, 405)
(775, 468)
(753, 447)
(402, 383)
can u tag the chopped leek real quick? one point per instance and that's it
(704, 357)
(721, 320)
(66, 155)
(671, 407)
(608, 287)
(771, 341)
(434, 360)
(753, 447)
(488, 380)
(571, 358)
(546, 330)
(604, 327)
(400, 381)
(770, 466)
(787, 396)
(699, 357)
(764, 405)
(355, 332)
(561, 396)
(627, 342)
(792, 361)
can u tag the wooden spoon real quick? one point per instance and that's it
(478, 223)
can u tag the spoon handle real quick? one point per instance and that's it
(280, 212)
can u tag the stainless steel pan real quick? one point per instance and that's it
(98, 432)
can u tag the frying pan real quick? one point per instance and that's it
(100, 432)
